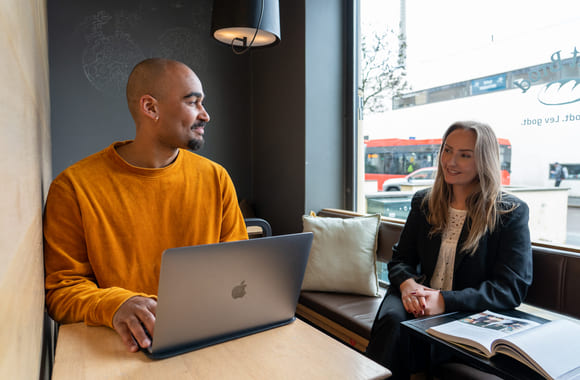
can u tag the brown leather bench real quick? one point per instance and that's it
(556, 284)
(556, 288)
(347, 317)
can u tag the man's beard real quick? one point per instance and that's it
(195, 144)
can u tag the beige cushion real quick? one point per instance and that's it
(343, 255)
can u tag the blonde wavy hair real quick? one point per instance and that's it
(484, 205)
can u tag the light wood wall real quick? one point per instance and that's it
(24, 177)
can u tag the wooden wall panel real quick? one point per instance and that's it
(24, 176)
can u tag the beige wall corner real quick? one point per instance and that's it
(25, 173)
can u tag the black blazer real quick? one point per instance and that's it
(496, 276)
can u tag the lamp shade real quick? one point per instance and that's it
(234, 22)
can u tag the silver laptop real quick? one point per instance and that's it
(213, 293)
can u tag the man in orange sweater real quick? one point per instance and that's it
(109, 217)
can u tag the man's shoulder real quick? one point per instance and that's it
(201, 162)
(86, 166)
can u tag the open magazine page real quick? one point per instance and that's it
(552, 350)
(478, 331)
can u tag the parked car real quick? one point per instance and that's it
(421, 177)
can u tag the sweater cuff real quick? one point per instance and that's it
(102, 313)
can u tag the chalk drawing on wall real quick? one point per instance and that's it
(110, 53)
(116, 40)
(183, 45)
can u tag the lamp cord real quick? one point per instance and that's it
(246, 48)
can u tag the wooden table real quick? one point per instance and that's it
(294, 351)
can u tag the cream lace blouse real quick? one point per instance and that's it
(443, 275)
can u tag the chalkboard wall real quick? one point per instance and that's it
(93, 45)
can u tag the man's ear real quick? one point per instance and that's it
(148, 106)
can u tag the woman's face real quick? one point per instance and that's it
(458, 158)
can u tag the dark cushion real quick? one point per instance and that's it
(556, 281)
(354, 312)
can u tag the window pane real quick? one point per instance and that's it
(514, 65)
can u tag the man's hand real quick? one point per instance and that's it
(131, 320)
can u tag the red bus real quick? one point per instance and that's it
(394, 158)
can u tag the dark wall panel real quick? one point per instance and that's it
(278, 125)
(298, 110)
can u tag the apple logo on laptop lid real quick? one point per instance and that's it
(239, 291)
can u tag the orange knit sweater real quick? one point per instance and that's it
(106, 224)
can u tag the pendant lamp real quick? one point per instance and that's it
(243, 24)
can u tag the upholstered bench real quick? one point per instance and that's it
(348, 317)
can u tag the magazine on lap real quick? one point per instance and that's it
(552, 349)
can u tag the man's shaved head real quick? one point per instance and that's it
(148, 77)
(165, 98)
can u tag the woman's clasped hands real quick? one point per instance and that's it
(420, 300)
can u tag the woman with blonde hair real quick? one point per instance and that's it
(465, 247)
